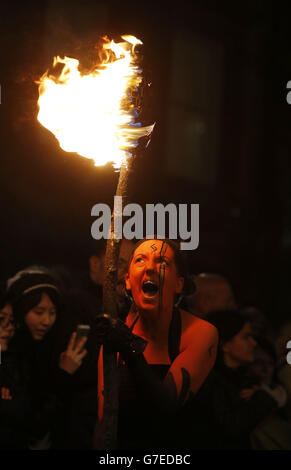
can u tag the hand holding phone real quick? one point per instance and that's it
(71, 359)
(82, 332)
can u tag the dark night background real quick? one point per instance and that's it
(222, 139)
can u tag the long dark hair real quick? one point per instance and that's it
(24, 304)
(25, 293)
(228, 323)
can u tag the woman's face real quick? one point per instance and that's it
(6, 326)
(240, 349)
(143, 277)
(41, 318)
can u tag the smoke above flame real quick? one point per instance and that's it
(94, 114)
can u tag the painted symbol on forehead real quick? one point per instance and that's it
(153, 247)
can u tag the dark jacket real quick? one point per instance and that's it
(233, 419)
(37, 358)
(15, 414)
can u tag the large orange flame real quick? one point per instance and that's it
(93, 114)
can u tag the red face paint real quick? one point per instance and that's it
(143, 278)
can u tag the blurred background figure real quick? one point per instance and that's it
(15, 411)
(124, 303)
(274, 433)
(265, 360)
(260, 324)
(90, 283)
(284, 367)
(213, 292)
(238, 401)
(7, 325)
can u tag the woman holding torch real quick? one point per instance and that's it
(165, 353)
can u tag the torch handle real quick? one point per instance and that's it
(108, 426)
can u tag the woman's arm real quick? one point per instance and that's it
(186, 374)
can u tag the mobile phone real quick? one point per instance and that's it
(82, 330)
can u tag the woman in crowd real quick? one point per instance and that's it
(7, 324)
(36, 301)
(14, 397)
(237, 401)
(273, 433)
(165, 352)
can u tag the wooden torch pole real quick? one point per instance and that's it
(108, 426)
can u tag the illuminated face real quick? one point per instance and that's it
(144, 279)
(240, 349)
(41, 318)
(6, 326)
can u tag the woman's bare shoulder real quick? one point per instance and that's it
(192, 325)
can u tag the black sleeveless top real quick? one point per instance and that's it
(139, 425)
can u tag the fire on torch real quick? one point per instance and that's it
(95, 116)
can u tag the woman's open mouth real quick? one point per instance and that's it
(150, 288)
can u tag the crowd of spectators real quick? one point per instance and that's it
(49, 378)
